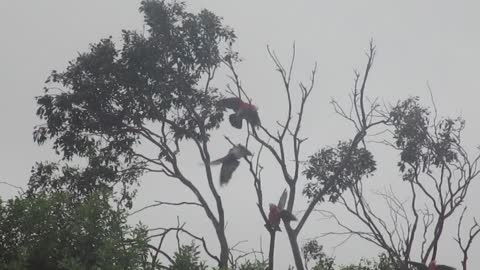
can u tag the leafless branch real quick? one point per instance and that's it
(14, 186)
(159, 203)
(180, 229)
(472, 234)
(362, 126)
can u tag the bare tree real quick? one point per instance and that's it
(464, 246)
(396, 234)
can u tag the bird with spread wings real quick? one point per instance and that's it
(230, 162)
(242, 110)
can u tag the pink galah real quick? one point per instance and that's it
(277, 213)
(242, 110)
(274, 216)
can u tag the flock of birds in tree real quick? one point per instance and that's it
(230, 162)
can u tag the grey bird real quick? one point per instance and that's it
(230, 162)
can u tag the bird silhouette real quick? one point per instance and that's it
(230, 162)
(277, 213)
(242, 110)
(432, 266)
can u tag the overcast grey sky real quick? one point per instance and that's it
(418, 41)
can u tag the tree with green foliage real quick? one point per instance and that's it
(149, 91)
(60, 231)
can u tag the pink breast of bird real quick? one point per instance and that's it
(432, 266)
(247, 106)
(274, 215)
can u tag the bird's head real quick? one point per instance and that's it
(273, 207)
(243, 150)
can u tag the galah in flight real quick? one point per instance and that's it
(230, 162)
(432, 266)
(242, 110)
(277, 213)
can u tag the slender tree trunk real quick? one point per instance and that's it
(271, 252)
(438, 234)
(223, 264)
(297, 255)
(464, 263)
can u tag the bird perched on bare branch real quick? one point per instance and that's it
(230, 162)
(242, 110)
(432, 266)
(277, 213)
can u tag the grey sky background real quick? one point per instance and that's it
(417, 41)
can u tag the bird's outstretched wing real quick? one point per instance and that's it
(418, 266)
(230, 103)
(228, 167)
(283, 200)
(445, 267)
(218, 161)
(235, 121)
(287, 216)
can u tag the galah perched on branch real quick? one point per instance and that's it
(277, 213)
(242, 110)
(431, 266)
(230, 162)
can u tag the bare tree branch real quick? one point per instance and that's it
(464, 246)
(159, 203)
(14, 186)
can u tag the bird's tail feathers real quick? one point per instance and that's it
(287, 216)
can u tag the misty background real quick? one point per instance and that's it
(418, 43)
